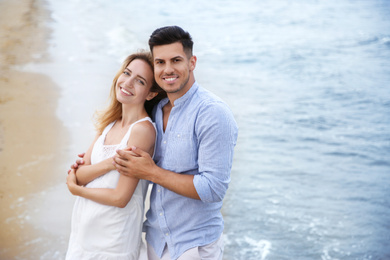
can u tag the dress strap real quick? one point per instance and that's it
(108, 128)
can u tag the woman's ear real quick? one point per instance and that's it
(151, 95)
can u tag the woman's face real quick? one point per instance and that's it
(133, 85)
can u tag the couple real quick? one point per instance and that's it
(186, 152)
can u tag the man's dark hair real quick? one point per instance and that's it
(171, 34)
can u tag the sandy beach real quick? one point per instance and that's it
(31, 136)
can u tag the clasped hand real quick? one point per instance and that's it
(134, 162)
(131, 162)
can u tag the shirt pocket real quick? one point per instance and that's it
(184, 152)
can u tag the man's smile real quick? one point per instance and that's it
(170, 78)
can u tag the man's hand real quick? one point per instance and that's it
(134, 162)
(78, 162)
(137, 163)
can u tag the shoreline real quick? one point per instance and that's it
(31, 135)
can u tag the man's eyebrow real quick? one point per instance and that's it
(177, 57)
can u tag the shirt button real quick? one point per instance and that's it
(167, 234)
(165, 142)
(178, 135)
(158, 190)
(161, 214)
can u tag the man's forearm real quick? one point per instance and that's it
(142, 166)
(179, 183)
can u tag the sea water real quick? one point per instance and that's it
(309, 85)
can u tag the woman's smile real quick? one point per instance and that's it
(125, 92)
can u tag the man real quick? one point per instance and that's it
(193, 157)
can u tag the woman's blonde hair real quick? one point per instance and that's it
(114, 110)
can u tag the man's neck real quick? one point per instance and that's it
(174, 96)
(166, 112)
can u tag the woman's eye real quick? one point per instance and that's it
(141, 82)
(126, 73)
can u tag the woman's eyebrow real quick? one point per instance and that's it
(137, 75)
(142, 78)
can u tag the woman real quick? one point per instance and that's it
(108, 212)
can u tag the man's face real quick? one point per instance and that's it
(172, 68)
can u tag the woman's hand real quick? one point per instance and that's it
(78, 162)
(71, 181)
(109, 163)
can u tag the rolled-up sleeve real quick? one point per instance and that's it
(216, 132)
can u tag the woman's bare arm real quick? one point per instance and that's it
(87, 172)
(143, 135)
(118, 197)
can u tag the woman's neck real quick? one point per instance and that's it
(132, 114)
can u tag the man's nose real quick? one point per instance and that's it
(168, 68)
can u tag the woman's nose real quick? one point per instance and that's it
(129, 81)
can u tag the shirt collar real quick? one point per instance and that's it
(187, 95)
(183, 98)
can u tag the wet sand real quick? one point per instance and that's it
(33, 154)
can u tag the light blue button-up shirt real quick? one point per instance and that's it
(199, 140)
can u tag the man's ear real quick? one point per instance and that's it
(151, 95)
(192, 63)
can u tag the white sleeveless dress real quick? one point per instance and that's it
(106, 232)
